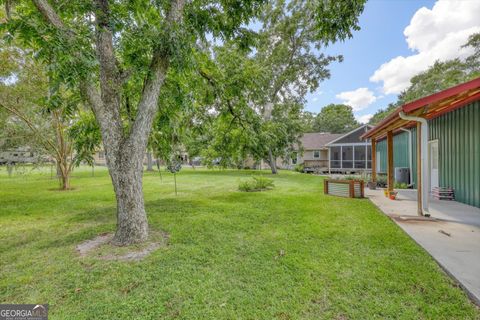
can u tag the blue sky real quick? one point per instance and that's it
(382, 39)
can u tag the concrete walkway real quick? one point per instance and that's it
(451, 237)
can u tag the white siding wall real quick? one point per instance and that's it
(308, 155)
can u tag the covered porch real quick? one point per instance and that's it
(418, 114)
(452, 238)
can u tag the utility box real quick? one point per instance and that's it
(402, 175)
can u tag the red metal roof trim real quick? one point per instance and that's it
(436, 97)
(457, 105)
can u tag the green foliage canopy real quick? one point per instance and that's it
(335, 118)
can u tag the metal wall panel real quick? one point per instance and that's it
(458, 135)
(401, 155)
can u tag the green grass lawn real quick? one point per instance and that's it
(343, 259)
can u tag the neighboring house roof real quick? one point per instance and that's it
(317, 140)
(352, 136)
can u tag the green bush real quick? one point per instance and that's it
(381, 181)
(354, 178)
(399, 185)
(246, 186)
(256, 184)
(299, 167)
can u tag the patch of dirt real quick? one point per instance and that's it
(101, 247)
(85, 247)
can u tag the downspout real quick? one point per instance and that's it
(409, 152)
(423, 158)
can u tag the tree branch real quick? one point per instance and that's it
(47, 144)
(50, 15)
(109, 75)
(54, 20)
(107, 116)
(154, 81)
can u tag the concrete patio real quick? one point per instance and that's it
(451, 236)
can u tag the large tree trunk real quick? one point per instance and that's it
(124, 151)
(149, 161)
(132, 224)
(272, 161)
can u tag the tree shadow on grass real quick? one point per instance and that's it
(88, 224)
(74, 225)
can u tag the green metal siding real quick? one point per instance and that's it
(414, 156)
(400, 152)
(458, 135)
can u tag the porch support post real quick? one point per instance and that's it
(419, 169)
(390, 160)
(374, 159)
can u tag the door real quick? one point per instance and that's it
(433, 146)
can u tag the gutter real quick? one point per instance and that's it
(423, 158)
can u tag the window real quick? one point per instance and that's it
(360, 155)
(101, 155)
(335, 157)
(347, 157)
(316, 154)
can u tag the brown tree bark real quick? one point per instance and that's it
(272, 162)
(124, 150)
(267, 116)
(149, 161)
(63, 174)
(65, 182)
(132, 224)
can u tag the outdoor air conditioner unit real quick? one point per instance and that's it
(402, 175)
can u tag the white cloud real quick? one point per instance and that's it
(364, 119)
(9, 80)
(358, 99)
(433, 34)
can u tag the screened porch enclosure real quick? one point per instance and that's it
(351, 157)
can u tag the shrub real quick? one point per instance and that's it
(399, 185)
(263, 183)
(299, 167)
(256, 184)
(354, 178)
(246, 186)
(381, 181)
